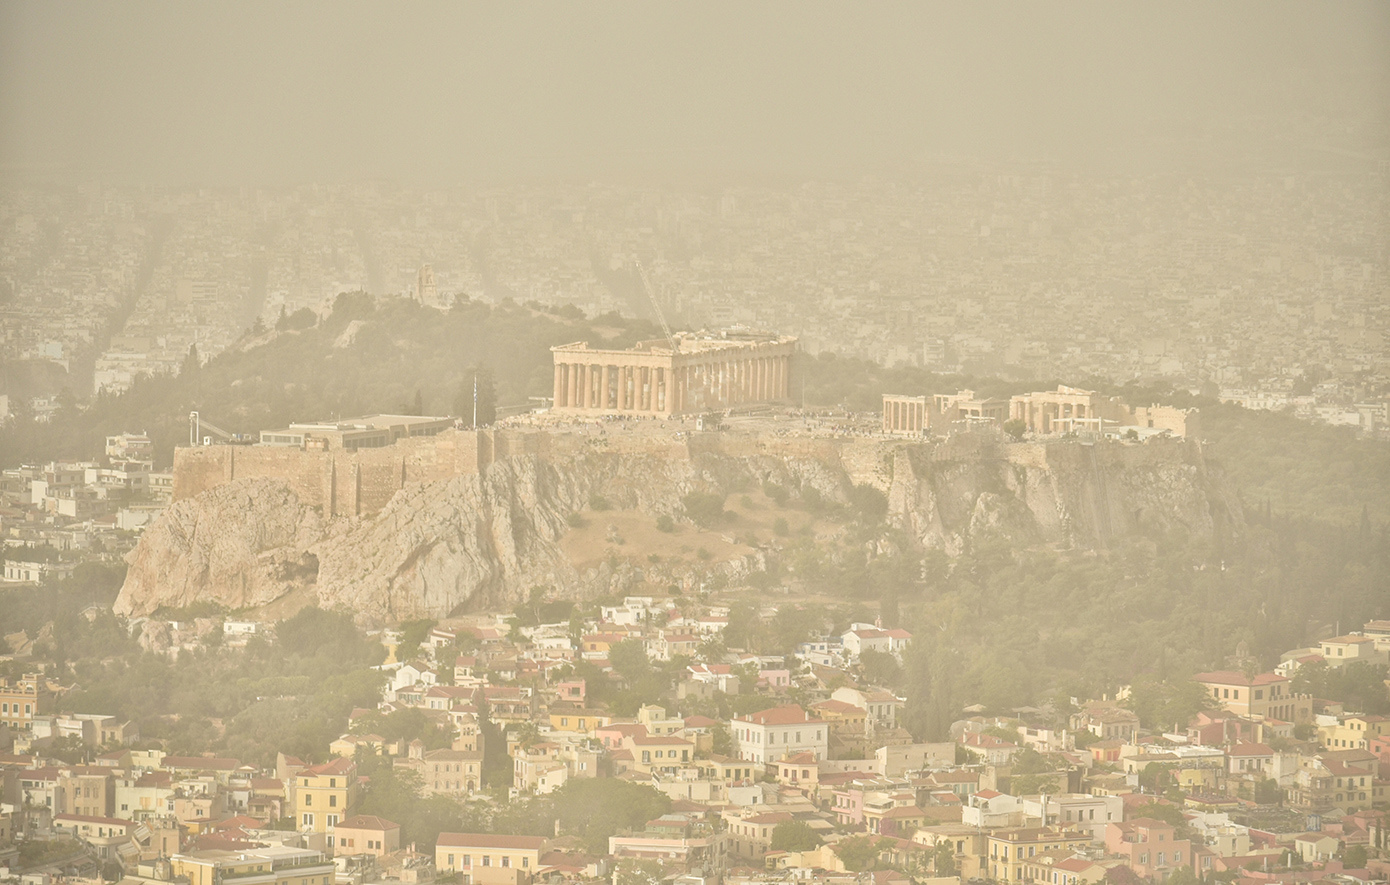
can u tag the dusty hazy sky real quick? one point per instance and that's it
(274, 92)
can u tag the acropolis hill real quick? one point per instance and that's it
(470, 519)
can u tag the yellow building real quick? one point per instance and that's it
(21, 701)
(1354, 732)
(1009, 850)
(273, 865)
(325, 794)
(368, 834)
(1267, 695)
(724, 768)
(488, 858)
(577, 720)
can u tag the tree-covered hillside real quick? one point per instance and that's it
(390, 357)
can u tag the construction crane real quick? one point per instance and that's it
(196, 426)
(660, 317)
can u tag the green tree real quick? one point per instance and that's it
(1163, 705)
(722, 743)
(595, 808)
(395, 794)
(858, 853)
(413, 634)
(944, 859)
(705, 509)
(794, 835)
(1169, 814)
(639, 871)
(1015, 427)
(301, 319)
(1182, 876)
(880, 667)
(1354, 857)
(191, 363)
(1267, 792)
(869, 504)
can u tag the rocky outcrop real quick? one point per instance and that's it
(243, 544)
(485, 539)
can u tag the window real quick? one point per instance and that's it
(332, 801)
(525, 862)
(506, 861)
(308, 798)
(487, 860)
(308, 820)
(467, 860)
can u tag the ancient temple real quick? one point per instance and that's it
(690, 372)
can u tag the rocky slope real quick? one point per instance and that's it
(486, 539)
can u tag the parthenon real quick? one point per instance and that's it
(701, 372)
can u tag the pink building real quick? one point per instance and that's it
(777, 680)
(849, 808)
(572, 692)
(1148, 847)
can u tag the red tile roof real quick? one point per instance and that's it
(336, 766)
(789, 715)
(1235, 677)
(491, 840)
(368, 822)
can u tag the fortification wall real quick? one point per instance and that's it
(342, 483)
(360, 483)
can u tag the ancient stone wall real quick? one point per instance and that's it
(341, 483)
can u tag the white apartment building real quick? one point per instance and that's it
(769, 735)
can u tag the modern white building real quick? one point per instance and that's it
(769, 735)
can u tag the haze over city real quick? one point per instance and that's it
(694, 444)
(435, 93)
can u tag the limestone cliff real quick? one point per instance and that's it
(486, 538)
(243, 544)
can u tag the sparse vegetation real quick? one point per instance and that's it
(706, 509)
